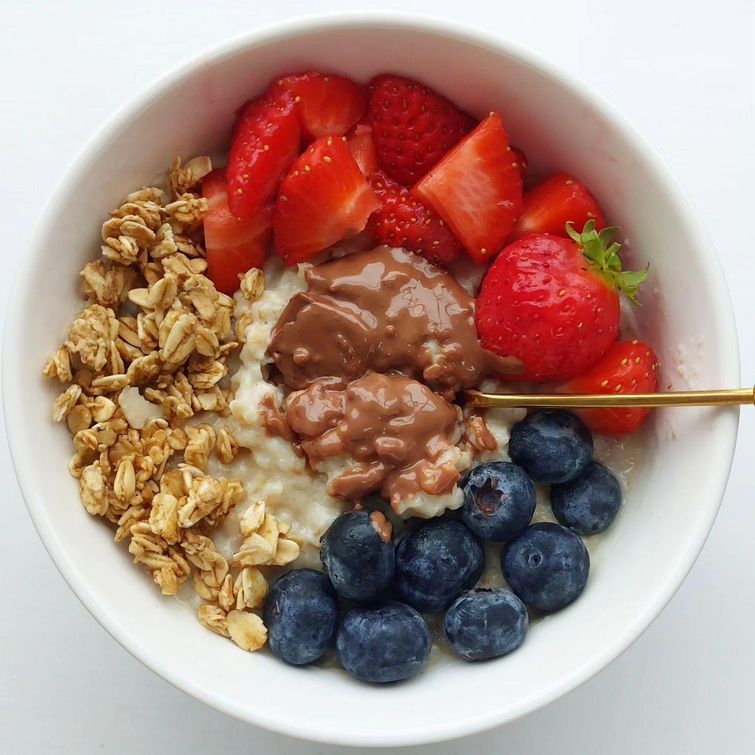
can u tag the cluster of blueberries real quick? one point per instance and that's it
(386, 586)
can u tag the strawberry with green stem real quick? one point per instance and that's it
(553, 302)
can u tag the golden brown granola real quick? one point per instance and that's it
(181, 178)
(147, 353)
(266, 541)
(250, 588)
(214, 618)
(252, 284)
(246, 629)
(211, 567)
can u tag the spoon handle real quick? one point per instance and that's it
(731, 397)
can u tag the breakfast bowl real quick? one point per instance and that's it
(685, 313)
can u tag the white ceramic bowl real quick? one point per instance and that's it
(559, 123)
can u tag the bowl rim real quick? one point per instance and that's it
(12, 387)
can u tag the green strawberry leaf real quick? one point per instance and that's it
(602, 253)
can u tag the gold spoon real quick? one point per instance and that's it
(731, 397)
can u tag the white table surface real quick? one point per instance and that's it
(684, 72)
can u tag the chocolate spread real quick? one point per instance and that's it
(379, 311)
(395, 430)
(381, 525)
(273, 419)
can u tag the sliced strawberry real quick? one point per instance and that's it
(477, 189)
(323, 199)
(264, 144)
(549, 205)
(233, 245)
(413, 126)
(362, 148)
(520, 161)
(627, 367)
(328, 104)
(404, 221)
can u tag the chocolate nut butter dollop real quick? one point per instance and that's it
(379, 311)
(393, 434)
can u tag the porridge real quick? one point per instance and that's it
(266, 386)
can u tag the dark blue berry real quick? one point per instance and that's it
(589, 502)
(301, 615)
(551, 446)
(547, 566)
(499, 500)
(358, 555)
(485, 624)
(386, 643)
(436, 563)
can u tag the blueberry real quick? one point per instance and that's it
(358, 555)
(499, 501)
(589, 502)
(486, 624)
(436, 563)
(383, 644)
(551, 446)
(301, 615)
(547, 566)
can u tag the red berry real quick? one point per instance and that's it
(553, 302)
(328, 104)
(627, 367)
(233, 246)
(404, 221)
(264, 144)
(362, 148)
(520, 161)
(323, 199)
(477, 189)
(413, 126)
(549, 205)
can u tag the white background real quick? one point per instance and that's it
(684, 72)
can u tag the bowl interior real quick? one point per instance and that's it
(644, 556)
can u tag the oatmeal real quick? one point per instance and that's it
(269, 369)
(272, 469)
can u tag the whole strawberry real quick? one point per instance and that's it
(553, 302)
(412, 126)
(402, 220)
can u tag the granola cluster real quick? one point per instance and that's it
(144, 362)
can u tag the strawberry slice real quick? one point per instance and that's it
(413, 126)
(403, 220)
(549, 205)
(323, 199)
(233, 245)
(362, 148)
(477, 189)
(520, 161)
(627, 367)
(328, 104)
(265, 142)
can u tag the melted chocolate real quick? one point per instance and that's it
(380, 311)
(394, 428)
